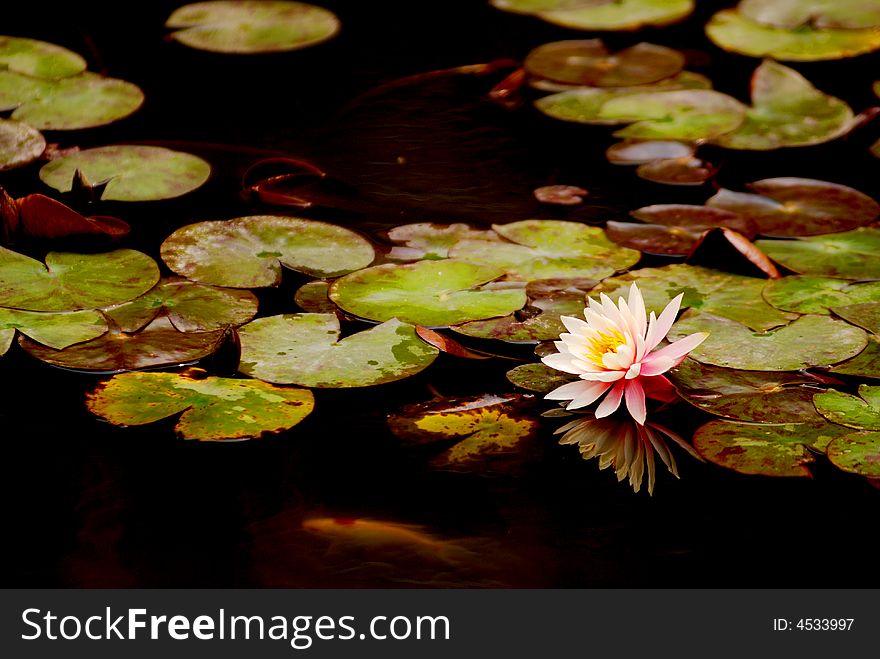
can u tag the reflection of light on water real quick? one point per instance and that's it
(624, 445)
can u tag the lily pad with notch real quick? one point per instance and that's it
(850, 255)
(55, 330)
(866, 364)
(429, 240)
(861, 412)
(819, 295)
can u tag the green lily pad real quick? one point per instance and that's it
(38, 58)
(641, 152)
(730, 296)
(135, 173)
(313, 297)
(83, 101)
(865, 315)
(786, 207)
(68, 281)
(846, 14)
(588, 62)
(191, 307)
(248, 252)
(251, 26)
(20, 144)
(866, 364)
(213, 408)
(305, 349)
(752, 396)
(55, 330)
(806, 342)
(765, 450)
(787, 111)
(429, 293)
(481, 428)
(817, 295)
(857, 453)
(861, 412)
(733, 32)
(850, 255)
(539, 378)
(602, 14)
(427, 240)
(158, 344)
(538, 321)
(548, 249)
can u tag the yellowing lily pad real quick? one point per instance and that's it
(251, 26)
(191, 307)
(809, 294)
(83, 101)
(822, 14)
(730, 296)
(849, 255)
(602, 14)
(55, 330)
(19, 144)
(133, 172)
(799, 206)
(861, 412)
(68, 281)
(429, 293)
(428, 240)
(214, 409)
(305, 349)
(480, 428)
(248, 252)
(787, 110)
(857, 453)
(765, 450)
(734, 32)
(548, 249)
(38, 58)
(806, 342)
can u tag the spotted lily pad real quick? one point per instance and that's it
(38, 58)
(313, 297)
(158, 344)
(430, 293)
(427, 240)
(305, 349)
(818, 295)
(602, 14)
(19, 144)
(850, 255)
(730, 296)
(83, 101)
(213, 408)
(799, 206)
(539, 378)
(55, 330)
(861, 412)
(68, 281)
(251, 26)
(248, 252)
(765, 450)
(191, 307)
(588, 62)
(857, 453)
(787, 110)
(548, 249)
(482, 427)
(753, 396)
(808, 341)
(846, 14)
(734, 32)
(135, 173)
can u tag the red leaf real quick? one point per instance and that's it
(43, 217)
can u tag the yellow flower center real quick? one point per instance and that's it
(602, 345)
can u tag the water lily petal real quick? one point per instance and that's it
(637, 307)
(561, 362)
(603, 376)
(589, 396)
(611, 402)
(635, 401)
(569, 391)
(678, 350)
(657, 387)
(664, 323)
(655, 364)
(634, 371)
(574, 325)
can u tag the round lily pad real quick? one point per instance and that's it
(191, 307)
(846, 14)
(313, 297)
(687, 170)
(654, 238)
(817, 295)
(850, 255)
(640, 152)
(55, 330)
(539, 378)
(857, 453)
(428, 240)
(806, 342)
(765, 450)
(733, 32)
(787, 111)
(68, 281)
(861, 412)
(83, 101)
(38, 58)
(213, 408)
(251, 26)
(305, 349)
(602, 14)
(548, 249)
(560, 195)
(135, 173)
(158, 344)
(693, 217)
(730, 296)
(430, 293)
(588, 62)
(248, 252)
(19, 144)
(799, 207)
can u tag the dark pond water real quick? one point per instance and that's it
(89, 505)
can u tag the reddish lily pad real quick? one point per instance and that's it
(693, 217)
(857, 453)
(687, 170)
(20, 144)
(214, 409)
(819, 295)
(561, 195)
(642, 152)
(654, 238)
(850, 255)
(43, 217)
(248, 252)
(39, 59)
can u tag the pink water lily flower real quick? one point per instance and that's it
(613, 354)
